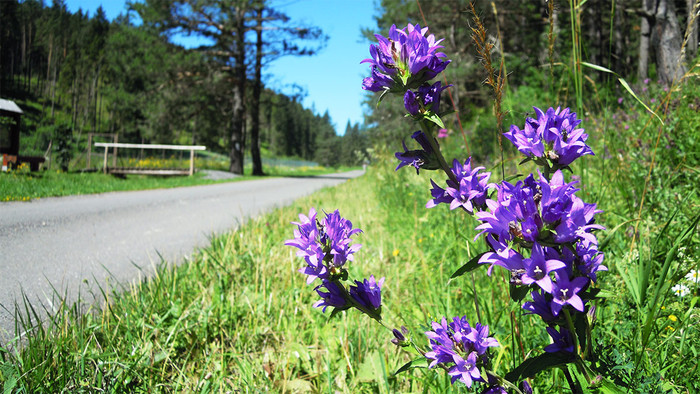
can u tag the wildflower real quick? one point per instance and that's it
(538, 210)
(405, 59)
(334, 296)
(565, 292)
(325, 245)
(680, 290)
(693, 276)
(619, 100)
(553, 136)
(673, 318)
(368, 293)
(395, 252)
(541, 306)
(459, 346)
(588, 259)
(424, 158)
(400, 337)
(426, 99)
(537, 269)
(495, 389)
(561, 341)
(442, 133)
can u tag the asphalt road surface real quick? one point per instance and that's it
(70, 244)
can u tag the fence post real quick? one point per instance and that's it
(104, 165)
(89, 152)
(191, 162)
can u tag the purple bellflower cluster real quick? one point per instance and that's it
(405, 59)
(553, 140)
(326, 246)
(536, 228)
(460, 347)
(541, 232)
(425, 100)
(469, 191)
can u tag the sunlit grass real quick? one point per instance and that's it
(22, 185)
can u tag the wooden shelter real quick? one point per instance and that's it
(10, 120)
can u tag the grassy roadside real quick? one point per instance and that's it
(22, 185)
(238, 316)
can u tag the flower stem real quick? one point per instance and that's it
(575, 387)
(436, 148)
(572, 331)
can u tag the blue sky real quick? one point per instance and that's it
(333, 78)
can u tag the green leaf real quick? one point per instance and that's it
(381, 97)
(532, 366)
(518, 293)
(525, 160)
(435, 118)
(627, 87)
(471, 265)
(420, 362)
(599, 68)
(624, 85)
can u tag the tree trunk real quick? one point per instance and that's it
(644, 39)
(255, 103)
(666, 40)
(237, 140)
(691, 49)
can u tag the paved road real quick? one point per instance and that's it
(64, 242)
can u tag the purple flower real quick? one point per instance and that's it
(336, 233)
(502, 255)
(460, 347)
(537, 269)
(368, 293)
(424, 158)
(578, 222)
(439, 196)
(480, 339)
(465, 371)
(442, 133)
(538, 210)
(588, 259)
(405, 59)
(619, 100)
(400, 337)
(325, 245)
(541, 306)
(566, 292)
(562, 342)
(333, 296)
(553, 136)
(496, 389)
(305, 235)
(471, 190)
(314, 269)
(426, 99)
